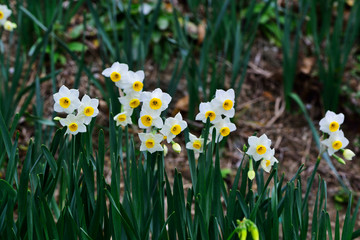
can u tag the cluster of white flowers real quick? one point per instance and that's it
(334, 139)
(219, 111)
(5, 12)
(153, 104)
(67, 101)
(259, 149)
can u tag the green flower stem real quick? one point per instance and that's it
(311, 180)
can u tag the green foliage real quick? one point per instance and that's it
(61, 191)
(149, 205)
(338, 40)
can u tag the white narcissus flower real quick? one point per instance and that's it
(156, 100)
(259, 147)
(331, 122)
(118, 73)
(5, 12)
(224, 102)
(335, 142)
(149, 118)
(151, 142)
(223, 128)
(73, 123)
(9, 26)
(173, 126)
(195, 143)
(130, 101)
(134, 83)
(88, 108)
(208, 110)
(267, 163)
(66, 100)
(123, 119)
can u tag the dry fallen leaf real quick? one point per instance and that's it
(350, 2)
(307, 64)
(201, 32)
(182, 104)
(268, 95)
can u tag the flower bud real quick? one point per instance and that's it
(339, 159)
(57, 118)
(251, 174)
(348, 154)
(176, 147)
(253, 230)
(165, 150)
(242, 234)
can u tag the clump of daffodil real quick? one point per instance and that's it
(131, 86)
(219, 111)
(333, 137)
(80, 113)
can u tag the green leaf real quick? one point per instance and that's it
(77, 47)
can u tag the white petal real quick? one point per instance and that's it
(339, 118)
(74, 93)
(85, 99)
(230, 113)
(56, 97)
(107, 72)
(158, 138)
(157, 122)
(58, 108)
(142, 137)
(63, 90)
(81, 128)
(140, 74)
(143, 147)
(253, 141)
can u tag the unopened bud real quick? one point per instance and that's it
(253, 230)
(57, 118)
(348, 154)
(165, 150)
(245, 148)
(242, 234)
(251, 174)
(339, 159)
(176, 147)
